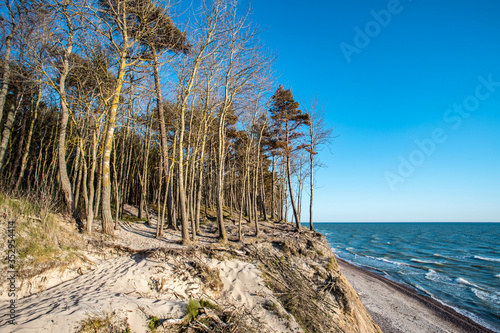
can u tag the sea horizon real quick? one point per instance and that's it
(306, 224)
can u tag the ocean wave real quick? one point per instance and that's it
(498, 275)
(487, 259)
(467, 283)
(487, 296)
(423, 290)
(456, 259)
(387, 261)
(460, 310)
(434, 276)
(426, 261)
(431, 275)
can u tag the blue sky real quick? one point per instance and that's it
(412, 77)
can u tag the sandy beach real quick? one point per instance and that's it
(397, 308)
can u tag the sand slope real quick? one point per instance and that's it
(115, 285)
(136, 288)
(244, 286)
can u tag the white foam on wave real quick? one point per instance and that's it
(466, 313)
(425, 291)
(487, 259)
(467, 283)
(431, 275)
(426, 261)
(498, 275)
(387, 261)
(445, 257)
(487, 296)
(434, 276)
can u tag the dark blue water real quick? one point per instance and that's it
(457, 264)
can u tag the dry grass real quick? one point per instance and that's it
(42, 239)
(205, 317)
(303, 281)
(103, 323)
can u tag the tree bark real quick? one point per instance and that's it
(180, 182)
(63, 172)
(220, 181)
(6, 74)
(7, 131)
(90, 205)
(311, 180)
(20, 145)
(107, 218)
(24, 159)
(289, 176)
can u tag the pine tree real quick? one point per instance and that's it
(287, 121)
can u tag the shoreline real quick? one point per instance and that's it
(399, 308)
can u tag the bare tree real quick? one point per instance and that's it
(319, 136)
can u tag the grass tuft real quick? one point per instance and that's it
(192, 310)
(332, 264)
(153, 324)
(103, 323)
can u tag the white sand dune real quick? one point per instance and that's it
(137, 288)
(117, 285)
(244, 286)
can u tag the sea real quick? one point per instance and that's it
(457, 264)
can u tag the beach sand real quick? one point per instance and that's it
(397, 308)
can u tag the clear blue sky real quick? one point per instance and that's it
(403, 80)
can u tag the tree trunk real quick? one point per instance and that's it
(107, 218)
(6, 74)
(243, 195)
(163, 136)
(263, 197)
(84, 182)
(180, 184)
(24, 159)
(272, 190)
(79, 178)
(63, 172)
(90, 205)
(144, 178)
(159, 219)
(20, 145)
(220, 182)
(255, 206)
(7, 131)
(115, 185)
(312, 193)
(295, 212)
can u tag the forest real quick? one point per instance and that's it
(112, 102)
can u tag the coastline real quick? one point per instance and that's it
(399, 308)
